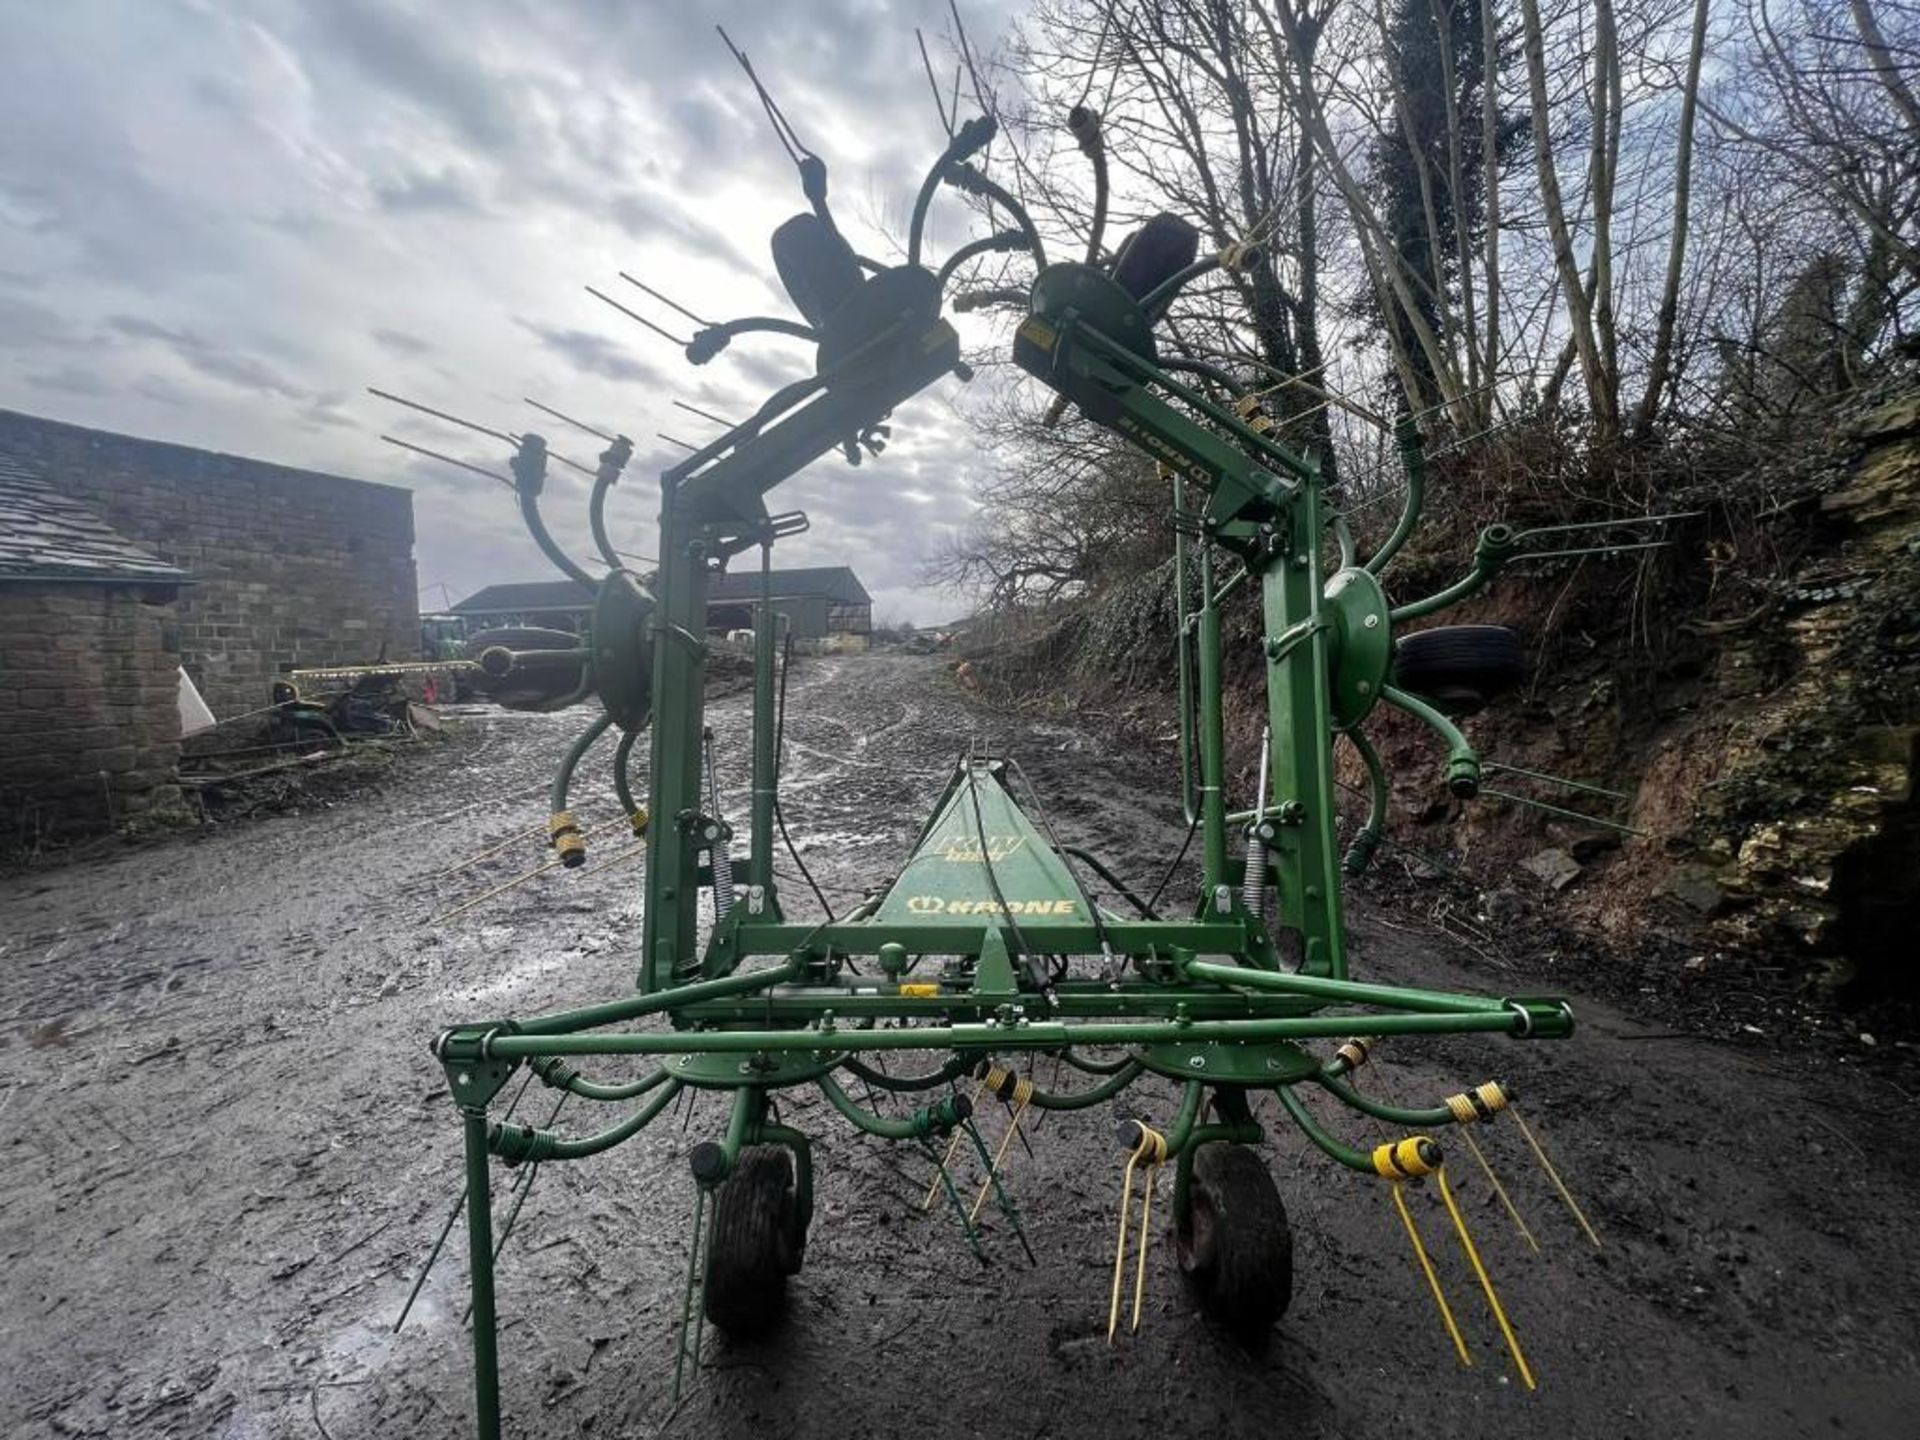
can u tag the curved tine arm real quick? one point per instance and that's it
(622, 782)
(1380, 1110)
(613, 460)
(1236, 257)
(597, 522)
(1496, 547)
(1156, 300)
(712, 339)
(937, 1118)
(969, 139)
(1360, 854)
(1413, 458)
(1318, 1134)
(530, 476)
(530, 512)
(901, 1084)
(520, 1144)
(563, 777)
(1087, 1099)
(1343, 537)
(1463, 765)
(1083, 123)
(973, 249)
(965, 177)
(968, 301)
(1474, 580)
(555, 1072)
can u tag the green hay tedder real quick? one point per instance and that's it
(985, 951)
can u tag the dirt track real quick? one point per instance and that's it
(228, 1151)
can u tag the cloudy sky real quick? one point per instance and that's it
(220, 220)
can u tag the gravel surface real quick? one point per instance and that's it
(229, 1151)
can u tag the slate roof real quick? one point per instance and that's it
(532, 595)
(837, 582)
(45, 535)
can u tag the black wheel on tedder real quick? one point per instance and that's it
(1459, 667)
(759, 1238)
(1235, 1246)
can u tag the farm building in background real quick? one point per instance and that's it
(89, 677)
(123, 561)
(820, 602)
(291, 567)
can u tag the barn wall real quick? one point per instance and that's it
(89, 709)
(292, 567)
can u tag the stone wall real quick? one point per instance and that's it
(1810, 832)
(292, 567)
(89, 710)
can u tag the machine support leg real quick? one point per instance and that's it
(486, 1352)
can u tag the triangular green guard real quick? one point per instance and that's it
(946, 881)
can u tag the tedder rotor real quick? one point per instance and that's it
(986, 950)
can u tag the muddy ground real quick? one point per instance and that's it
(227, 1152)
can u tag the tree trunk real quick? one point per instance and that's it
(1662, 363)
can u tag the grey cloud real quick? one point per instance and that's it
(70, 380)
(411, 57)
(209, 358)
(445, 191)
(766, 372)
(398, 342)
(28, 325)
(592, 354)
(326, 417)
(651, 220)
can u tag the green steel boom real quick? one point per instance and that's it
(1225, 1000)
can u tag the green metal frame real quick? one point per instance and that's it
(1225, 998)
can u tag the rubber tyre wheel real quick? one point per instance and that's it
(816, 266)
(1236, 1248)
(536, 689)
(757, 1242)
(1157, 251)
(520, 637)
(1459, 667)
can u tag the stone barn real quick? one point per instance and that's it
(124, 560)
(89, 674)
(290, 567)
(819, 602)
